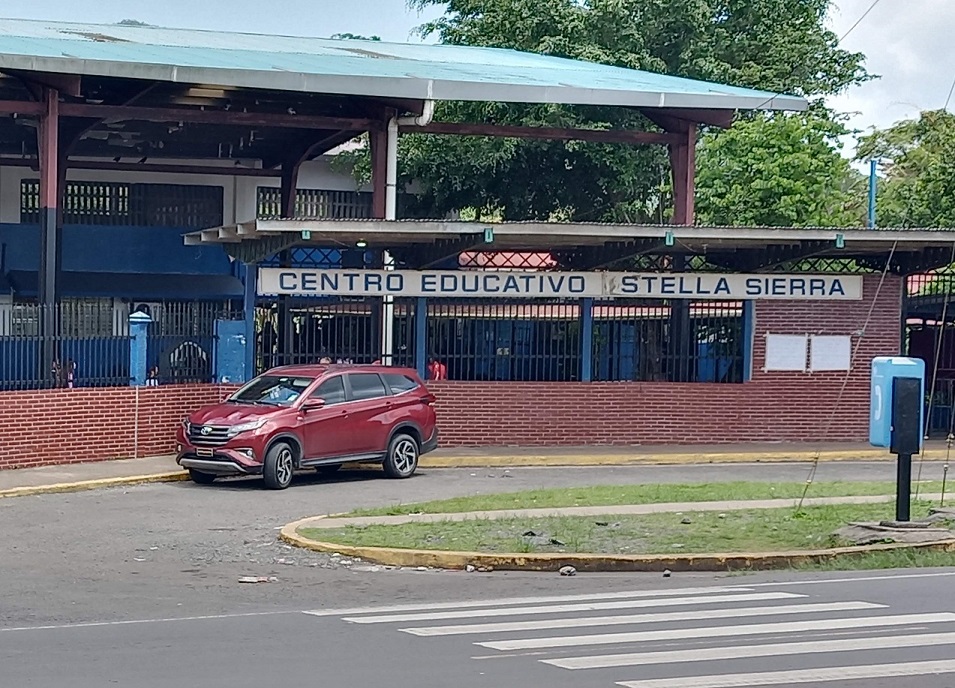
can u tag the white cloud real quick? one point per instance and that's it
(907, 43)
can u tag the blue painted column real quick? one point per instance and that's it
(249, 277)
(138, 348)
(421, 336)
(749, 324)
(586, 340)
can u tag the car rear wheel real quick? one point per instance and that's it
(279, 467)
(402, 458)
(201, 478)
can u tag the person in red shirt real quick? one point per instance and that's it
(437, 370)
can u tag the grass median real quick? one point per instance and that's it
(743, 530)
(616, 495)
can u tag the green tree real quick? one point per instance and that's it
(779, 170)
(918, 157)
(777, 45)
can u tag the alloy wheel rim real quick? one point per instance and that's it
(283, 467)
(406, 455)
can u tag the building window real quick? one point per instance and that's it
(316, 204)
(118, 203)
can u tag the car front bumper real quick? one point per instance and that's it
(219, 461)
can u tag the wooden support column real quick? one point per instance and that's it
(683, 166)
(50, 180)
(51, 251)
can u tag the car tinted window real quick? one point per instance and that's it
(399, 383)
(274, 390)
(332, 391)
(366, 386)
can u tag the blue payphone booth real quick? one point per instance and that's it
(885, 371)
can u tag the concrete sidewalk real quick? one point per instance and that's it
(163, 468)
(330, 522)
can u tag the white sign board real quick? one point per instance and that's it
(489, 284)
(830, 353)
(786, 352)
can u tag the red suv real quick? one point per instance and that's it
(312, 416)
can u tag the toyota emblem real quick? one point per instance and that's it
(205, 430)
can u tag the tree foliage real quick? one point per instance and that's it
(774, 45)
(918, 157)
(782, 170)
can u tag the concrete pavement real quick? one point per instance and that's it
(875, 630)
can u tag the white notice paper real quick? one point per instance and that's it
(830, 353)
(786, 352)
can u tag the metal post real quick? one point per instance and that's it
(749, 325)
(138, 348)
(873, 180)
(250, 276)
(586, 340)
(421, 336)
(903, 487)
(388, 262)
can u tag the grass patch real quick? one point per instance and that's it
(747, 530)
(615, 495)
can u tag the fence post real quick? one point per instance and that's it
(421, 336)
(586, 340)
(248, 306)
(749, 323)
(138, 347)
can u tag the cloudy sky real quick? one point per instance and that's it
(907, 42)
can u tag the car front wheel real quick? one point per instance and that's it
(401, 460)
(279, 467)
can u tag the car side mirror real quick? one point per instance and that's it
(313, 404)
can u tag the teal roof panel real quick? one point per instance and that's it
(355, 67)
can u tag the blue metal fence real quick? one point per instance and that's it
(86, 343)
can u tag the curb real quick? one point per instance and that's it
(506, 461)
(82, 485)
(593, 563)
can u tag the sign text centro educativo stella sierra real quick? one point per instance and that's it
(506, 284)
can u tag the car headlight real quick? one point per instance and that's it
(247, 427)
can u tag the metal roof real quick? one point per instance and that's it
(513, 236)
(354, 67)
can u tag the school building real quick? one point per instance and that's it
(173, 221)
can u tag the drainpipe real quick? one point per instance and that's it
(391, 208)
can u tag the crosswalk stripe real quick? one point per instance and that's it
(474, 604)
(744, 651)
(778, 678)
(563, 608)
(718, 631)
(627, 619)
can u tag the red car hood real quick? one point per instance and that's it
(230, 414)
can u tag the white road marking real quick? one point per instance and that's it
(627, 619)
(562, 608)
(741, 651)
(719, 631)
(779, 678)
(96, 624)
(854, 579)
(474, 604)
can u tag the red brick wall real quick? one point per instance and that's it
(776, 406)
(77, 425)
(66, 426)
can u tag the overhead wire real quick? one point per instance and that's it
(845, 381)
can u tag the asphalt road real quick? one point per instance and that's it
(135, 562)
(869, 630)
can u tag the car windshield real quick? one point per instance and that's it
(272, 390)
